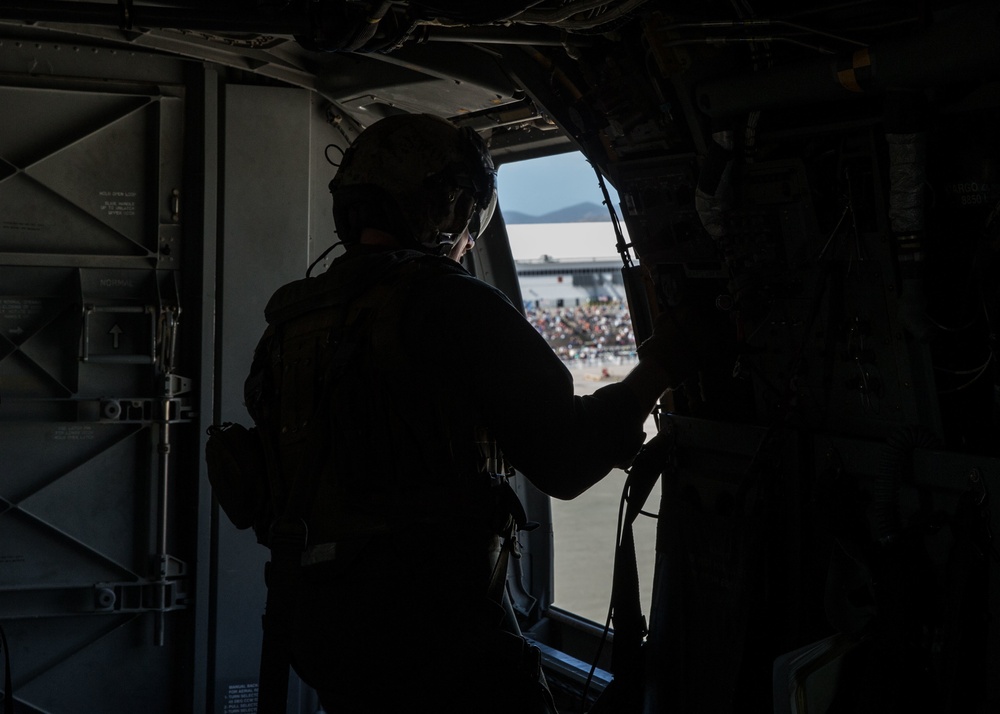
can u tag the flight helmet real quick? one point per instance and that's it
(417, 177)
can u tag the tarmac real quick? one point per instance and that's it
(584, 529)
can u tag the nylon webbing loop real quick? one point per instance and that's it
(8, 687)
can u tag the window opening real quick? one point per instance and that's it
(569, 271)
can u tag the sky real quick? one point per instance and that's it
(540, 186)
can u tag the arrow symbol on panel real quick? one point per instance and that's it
(115, 333)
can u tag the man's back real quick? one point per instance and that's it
(400, 489)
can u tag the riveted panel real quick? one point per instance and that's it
(93, 399)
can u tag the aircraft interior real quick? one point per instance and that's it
(819, 180)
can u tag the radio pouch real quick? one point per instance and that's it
(237, 471)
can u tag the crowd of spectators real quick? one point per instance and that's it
(596, 332)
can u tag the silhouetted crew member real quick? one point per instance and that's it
(393, 392)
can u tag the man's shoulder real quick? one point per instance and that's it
(421, 277)
(349, 277)
(452, 282)
(418, 272)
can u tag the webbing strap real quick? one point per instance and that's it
(498, 578)
(8, 687)
(630, 625)
(276, 648)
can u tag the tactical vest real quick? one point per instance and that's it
(356, 441)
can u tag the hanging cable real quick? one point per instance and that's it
(321, 256)
(611, 606)
(326, 154)
(621, 244)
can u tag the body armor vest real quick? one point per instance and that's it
(356, 441)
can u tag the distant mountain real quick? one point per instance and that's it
(580, 213)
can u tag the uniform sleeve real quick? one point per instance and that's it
(562, 442)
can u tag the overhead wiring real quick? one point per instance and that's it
(603, 12)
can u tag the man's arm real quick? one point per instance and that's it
(648, 381)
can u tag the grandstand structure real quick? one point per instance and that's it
(572, 289)
(549, 282)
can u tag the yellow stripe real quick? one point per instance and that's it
(848, 80)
